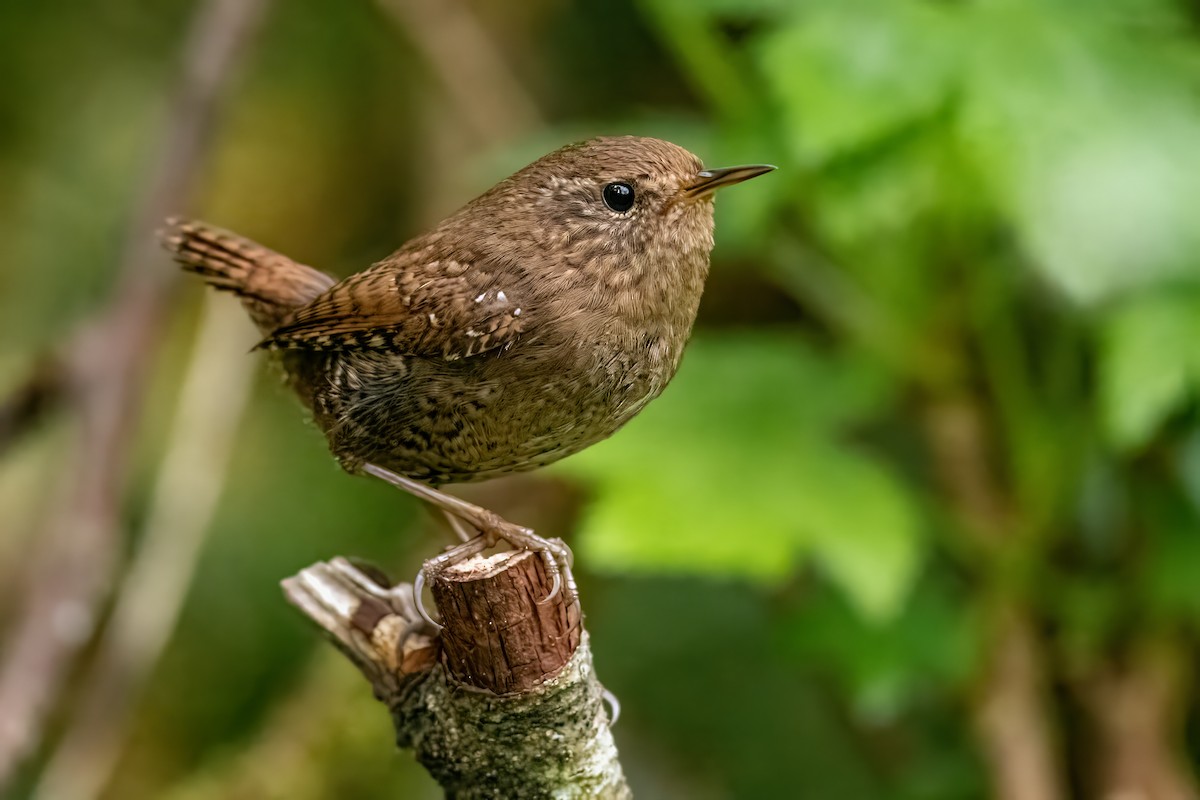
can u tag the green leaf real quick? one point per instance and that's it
(1149, 364)
(886, 666)
(1174, 562)
(1171, 561)
(1087, 137)
(848, 73)
(859, 523)
(732, 8)
(737, 470)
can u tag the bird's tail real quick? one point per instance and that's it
(271, 285)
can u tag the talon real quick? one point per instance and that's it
(554, 589)
(613, 703)
(418, 588)
(492, 529)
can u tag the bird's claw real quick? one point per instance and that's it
(418, 588)
(492, 528)
(555, 553)
(613, 703)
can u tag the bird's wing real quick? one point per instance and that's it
(448, 308)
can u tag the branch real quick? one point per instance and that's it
(1011, 719)
(1013, 713)
(486, 93)
(1138, 711)
(504, 702)
(104, 366)
(187, 488)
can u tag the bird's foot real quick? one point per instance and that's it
(492, 529)
(558, 557)
(555, 552)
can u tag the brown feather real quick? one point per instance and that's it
(448, 308)
(581, 311)
(270, 284)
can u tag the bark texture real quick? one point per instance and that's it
(497, 636)
(504, 701)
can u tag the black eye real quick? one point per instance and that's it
(618, 196)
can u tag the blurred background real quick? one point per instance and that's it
(919, 518)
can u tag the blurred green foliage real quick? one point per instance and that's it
(743, 422)
(948, 363)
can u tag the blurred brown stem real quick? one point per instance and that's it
(104, 366)
(1138, 712)
(486, 93)
(187, 488)
(1015, 722)
(1012, 715)
(481, 100)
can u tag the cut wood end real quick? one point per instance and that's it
(480, 567)
(500, 632)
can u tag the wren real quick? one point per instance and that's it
(530, 324)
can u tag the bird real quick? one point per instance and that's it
(530, 324)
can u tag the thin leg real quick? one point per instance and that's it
(459, 527)
(491, 526)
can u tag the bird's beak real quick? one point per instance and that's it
(709, 180)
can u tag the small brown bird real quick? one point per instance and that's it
(535, 321)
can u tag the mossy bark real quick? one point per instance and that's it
(548, 737)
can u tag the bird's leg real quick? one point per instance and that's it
(459, 529)
(492, 527)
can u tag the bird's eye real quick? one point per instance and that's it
(618, 196)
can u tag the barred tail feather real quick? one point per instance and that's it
(271, 285)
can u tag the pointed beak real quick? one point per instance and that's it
(709, 180)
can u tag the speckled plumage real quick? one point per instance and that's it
(530, 324)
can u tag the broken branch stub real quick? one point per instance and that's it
(504, 701)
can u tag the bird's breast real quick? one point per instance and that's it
(448, 422)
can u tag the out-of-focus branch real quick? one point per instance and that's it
(1014, 719)
(464, 58)
(1138, 711)
(956, 430)
(504, 702)
(104, 364)
(214, 396)
(475, 98)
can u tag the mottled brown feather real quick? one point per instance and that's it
(270, 284)
(447, 308)
(581, 310)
